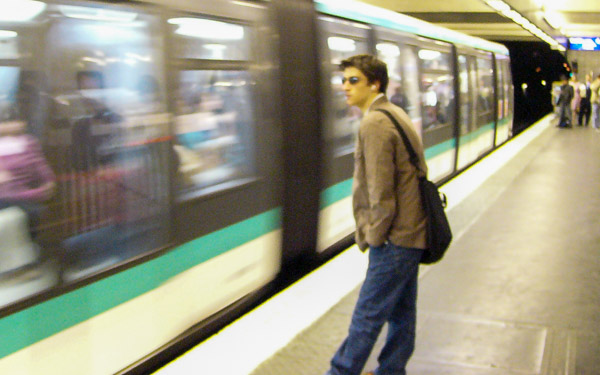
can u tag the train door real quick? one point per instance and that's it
(502, 128)
(339, 39)
(103, 144)
(226, 146)
(467, 152)
(508, 96)
(485, 103)
(477, 124)
(399, 53)
(438, 106)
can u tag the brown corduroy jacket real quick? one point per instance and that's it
(385, 193)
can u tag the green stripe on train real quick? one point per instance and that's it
(336, 193)
(440, 148)
(475, 134)
(24, 328)
(343, 189)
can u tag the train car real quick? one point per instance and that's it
(457, 90)
(163, 162)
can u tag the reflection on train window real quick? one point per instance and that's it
(465, 92)
(199, 38)
(437, 88)
(85, 145)
(343, 47)
(434, 60)
(403, 87)
(8, 45)
(485, 90)
(346, 119)
(213, 127)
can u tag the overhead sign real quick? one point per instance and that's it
(584, 44)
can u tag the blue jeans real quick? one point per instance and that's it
(388, 294)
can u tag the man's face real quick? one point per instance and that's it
(356, 87)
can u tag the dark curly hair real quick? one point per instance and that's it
(373, 68)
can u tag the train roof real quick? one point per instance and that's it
(382, 17)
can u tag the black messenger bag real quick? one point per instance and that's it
(439, 234)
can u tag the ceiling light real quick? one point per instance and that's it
(339, 44)
(96, 14)
(207, 29)
(20, 10)
(6, 34)
(554, 19)
(426, 54)
(388, 49)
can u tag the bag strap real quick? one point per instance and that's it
(414, 159)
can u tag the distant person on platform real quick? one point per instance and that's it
(390, 222)
(585, 106)
(564, 103)
(595, 100)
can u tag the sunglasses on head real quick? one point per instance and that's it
(351, 80)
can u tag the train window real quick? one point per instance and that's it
(437, 88)
(485, 91)
(198, 38)
(8, 45)
(465, 95)
(214, 104)
(500, 89)
(213, 126)
(346, 119)
(87, 110)
(403, 87)
(341, 39)
(341, 47)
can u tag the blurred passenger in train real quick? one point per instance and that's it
(94, 134)
(595, 100)
(26, 180)
(149, 97)
(390, 221)
(585, 92)
(564, 103)
(400, 99)
(32, 101)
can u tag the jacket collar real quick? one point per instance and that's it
(378, 102)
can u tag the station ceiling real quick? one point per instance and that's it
(580, 18)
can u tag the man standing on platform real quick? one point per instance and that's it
(390, 222)
(585, 92)
(564, 101)
(595, 99)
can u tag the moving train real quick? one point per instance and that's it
(162, 162)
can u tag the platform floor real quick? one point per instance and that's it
(517, 293)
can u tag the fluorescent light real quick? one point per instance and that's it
(554, 19)
(207, 29)
(339, 44)
(247, 4)
(426, 54)
(96, 14)
(6, 34)
(498, 5)
(215, 47)
(20, 10)
(388, 49)
(516, 17)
